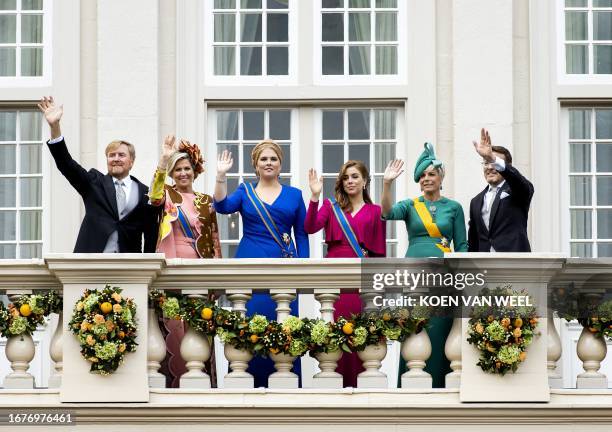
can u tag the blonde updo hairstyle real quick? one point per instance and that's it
(177, 156)
(260, 147)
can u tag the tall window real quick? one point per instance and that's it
(359, 37)
(239, 131)
(21, 38)
(590, 147)
(588, 36)
(251, 37)
(368, 135)
(20, 184)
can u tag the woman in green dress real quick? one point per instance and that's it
(433, 223)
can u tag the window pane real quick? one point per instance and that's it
(8, 4)
(604, 190)
(577, 59)
(250, 61)
(580, 124)
(247, 164)
(333, 60)
(278, 27)
(603, 124)
(225, 4)
(359, 27)
(234, 150)
(31, 192)
(383, 153)
(250, 27)
(602, 25)
(604, 250)
(31, 225)
(227, 125)
(229, 227)
(280, 124)
(580, 157)
(331, 4)
(386, 26)
(378, 192)
(8, 163)
(581, 250)
(225, 61)
(7, 251)
(278, 61)
(8, 122)
(581, 224)
(333, 157)
(333, 125)
(30, 251)
(253, 125)
(250, 4)
(603, 59)
(386, 60)
(604, 157)
(7, 192)
(604, 224)
(31, 158)
(359, 60)
(7, 225)
(602, 3)
(329, 185)
(278, 4)
(360, 152)
(31, 28)
(576, 26)
(332, 27)
(359, 3)
(225, 27)
(359, 124)
(31, 61)
(386, 3)
(31, 126)
(8, 62)
(580, 190)
(286, 168)
(8, 28)
(31, 4)
(384, 124)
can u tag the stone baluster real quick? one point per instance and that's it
(195, 350)
(553, 354)
(238, 359)
(373, 355)
(20, 352)
(283, 377)
(56, 351)
(592, 351)
(452, 351)
(328, 362)
(415, 351)
(156, 351)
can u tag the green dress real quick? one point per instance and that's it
(448, 216)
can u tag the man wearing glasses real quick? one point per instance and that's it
(498, 214)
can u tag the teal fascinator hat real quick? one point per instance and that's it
(427, 158)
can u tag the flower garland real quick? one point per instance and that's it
(502, 333)
(25, 314)
(104, 323)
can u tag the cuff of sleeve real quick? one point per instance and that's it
(56, 140)
(157, 187)
(499, 164)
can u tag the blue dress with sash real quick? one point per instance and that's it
(288, 212)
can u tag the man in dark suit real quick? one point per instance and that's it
(498, 214)
(117, 213)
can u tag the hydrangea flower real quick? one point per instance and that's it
(99, 329)
(258, 324)
(509, 354)
(90, 302)
(297, 347)
(106, 351)
(392, 333)
(223, 335)
(319, 332)
(292, 324)
(35, 302)
(126, 315)
(171, 308)
(496, 331)
(18, 326)
(360, 335)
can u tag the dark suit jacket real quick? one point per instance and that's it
(101, 215)
(508, 221)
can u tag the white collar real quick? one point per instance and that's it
(127, 181)
(496, 187)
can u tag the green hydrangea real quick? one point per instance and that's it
(223, 334)
(392, 333)
(319, 332)
(106, 351)
(360, 336)
(35, 302)
(18, 326)
(99, 329)
(604, 311)
(126, 315)
(292, 324)
(527, 336)
(171, 308)
(90, 302)
(509, 354)
(258, 324)
(420, 312)
(496, 331)
(297, 347)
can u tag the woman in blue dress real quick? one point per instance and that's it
(286, 209)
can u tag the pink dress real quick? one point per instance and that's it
(176, 244)
(370, 230)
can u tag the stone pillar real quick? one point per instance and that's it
(238, 360)
(416, 349)
(328, 362)
(56, 353)
(452, 350)
(156, 351)
(283, 377)
(553, 353)
(19, 351)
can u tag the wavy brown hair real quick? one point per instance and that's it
(339, 192)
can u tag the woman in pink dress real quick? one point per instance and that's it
(351, 193)
(188, 227)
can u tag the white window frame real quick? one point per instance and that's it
(400, 151)
(211, 150)
(565, 183)
(47, 43)
(562, 76)
(233, 80)
(373, 78)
